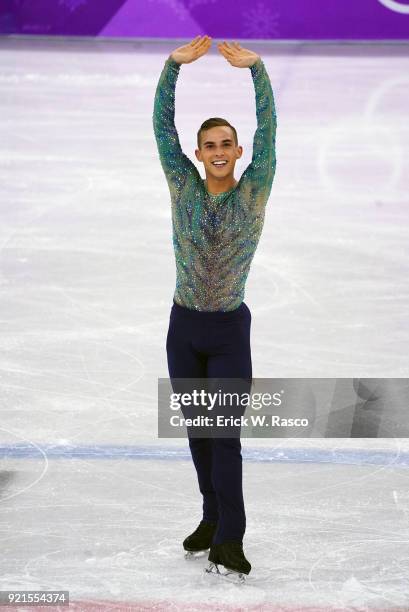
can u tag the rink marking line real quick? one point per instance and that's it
(368, 457)
(40, 454)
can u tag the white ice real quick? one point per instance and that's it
(87, 277)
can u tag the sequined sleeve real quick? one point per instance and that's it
(259, 174)
(176, 165)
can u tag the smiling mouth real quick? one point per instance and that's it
(219, 164)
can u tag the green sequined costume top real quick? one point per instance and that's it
(215, 236)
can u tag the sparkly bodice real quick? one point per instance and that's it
(215, 236)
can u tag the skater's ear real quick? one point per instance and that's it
(239, 151)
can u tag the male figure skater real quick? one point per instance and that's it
(217, 223)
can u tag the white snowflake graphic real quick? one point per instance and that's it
(72, 5)
(260, 22)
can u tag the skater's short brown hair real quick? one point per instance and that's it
(214, 122)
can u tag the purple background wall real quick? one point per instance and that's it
(262, 19)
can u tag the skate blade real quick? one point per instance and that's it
(226, 574)
(196, 554)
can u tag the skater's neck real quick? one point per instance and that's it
(215, 186)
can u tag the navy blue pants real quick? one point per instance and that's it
(206, 345)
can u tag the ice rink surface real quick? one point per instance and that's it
(91, 501)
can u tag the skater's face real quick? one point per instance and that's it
(217, 144)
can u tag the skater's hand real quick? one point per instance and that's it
(237, 56)
(192, 51)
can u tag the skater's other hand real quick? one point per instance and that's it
(236, 55)
(192, 51)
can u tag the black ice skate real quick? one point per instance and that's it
(200, 540)
(231, 557)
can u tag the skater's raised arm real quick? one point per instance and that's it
(176, 165)
(260, 172)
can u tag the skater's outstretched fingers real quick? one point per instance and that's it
(199, 41)
(226, 51)
(202, 46)
(237, 56)
(193, 50)
(224, 47)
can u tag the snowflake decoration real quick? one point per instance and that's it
(260, 22)
(72, 5)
